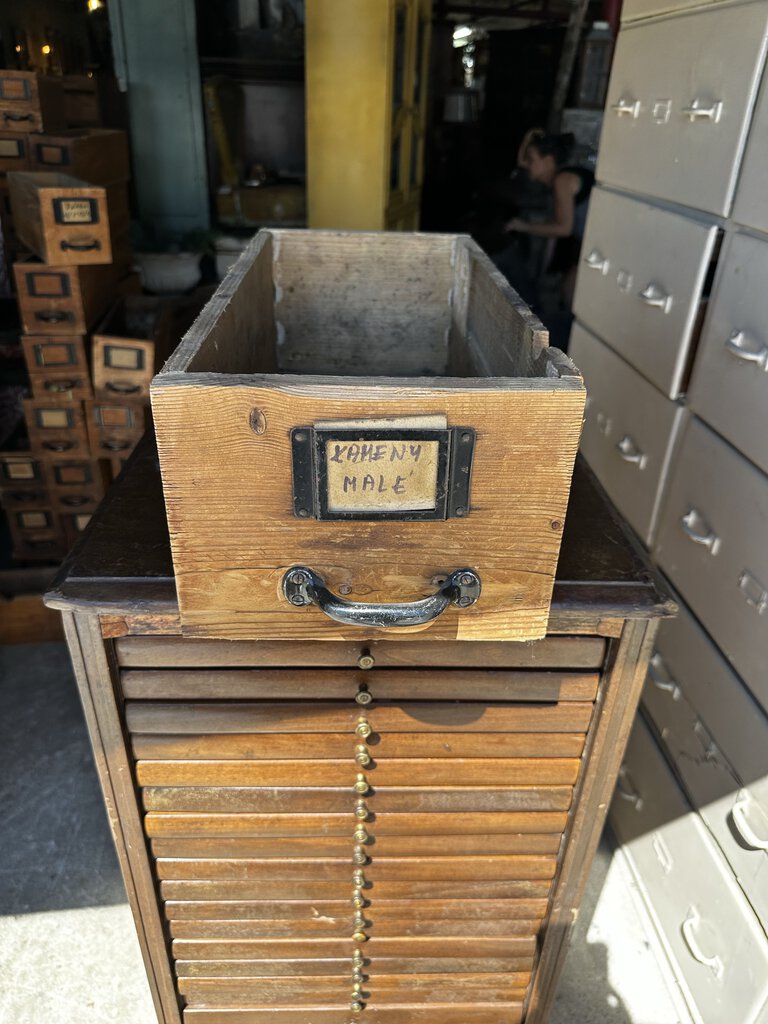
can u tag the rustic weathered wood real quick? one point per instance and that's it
(245, 890)
(392, 684)
(30, 102)
(324, 745)
(321, 716)
(406, 1013)
(96, 155)
(56, 427)
(114, 425)
(572, 653)
(55, 299)
(430, 910)
(94, 674)
(14, 150)
(329, 966)
(247, 949)
(64, 220)
(338, 927)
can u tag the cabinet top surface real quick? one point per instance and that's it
(122, 565)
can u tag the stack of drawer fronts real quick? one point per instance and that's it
(672, 337)
(69, 199)
(327, 837)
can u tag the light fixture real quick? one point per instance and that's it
(462, 34)
(17, 47)
(47, 49)
(95, 5)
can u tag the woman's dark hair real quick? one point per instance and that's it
(558, 146)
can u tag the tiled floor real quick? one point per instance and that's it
(68, 953)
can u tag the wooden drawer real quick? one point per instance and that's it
(56, 427)
(61, 299)
(405, 1013)
(130, 344)
(35, 534)
(72, 525)
(641, 281)
(293, 294)
(24, 497)
(708, 928)
(114, 426)
(97, 155)
(14, 152)
(74, 387)
(22, 470)
(711, 543)
(630, 431)
(66, 221)
(338, 846)
(730, 387)
(82, 101)
(679, 103)
(77, 502)
(30, 102)
(64, 353)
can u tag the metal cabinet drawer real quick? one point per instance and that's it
(730, 383)
(711, 543)
(709, 929)
(750, 205)
(640, 283)
(629, 432)
(679, 101)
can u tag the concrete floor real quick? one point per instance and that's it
(68, 952)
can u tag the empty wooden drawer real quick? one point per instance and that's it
(630, 431)
(641, 282)
(130, 344)
(679, 103)
(96, 155)
(56, 427)
(30, 102)
(730, 384)
(364, 478)
(64, 220)
(711, 543)
(60, 299)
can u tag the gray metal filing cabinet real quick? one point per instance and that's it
(671, 334)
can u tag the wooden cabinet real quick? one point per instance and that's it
(387, 830)
(366, 112)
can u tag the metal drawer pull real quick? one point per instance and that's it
(701, 110)
(626, 789)
(80, 246)
(58, 386)
(663, 856)
(708, 745)
(689, 935)
(754, 592)
(115, 446)
(697, 529)
(626, 107)
(660, 677)
(123, 389)
(596, 261)
(628, 450)
(302, 587)
(73, 501)
(739, 815)
(57, 316)
(654, 297)
(10, 116)
(59, 446)
(740, 346)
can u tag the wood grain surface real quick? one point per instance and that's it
(424, 909)
(478, 1012)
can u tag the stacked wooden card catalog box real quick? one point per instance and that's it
(356, 754)
(67, 194)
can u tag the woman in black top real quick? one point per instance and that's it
(544, 157)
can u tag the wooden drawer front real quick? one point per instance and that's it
(31, 541)
(630, 431)
(708, 927)
(730, 384)
(99, 156)
(72, 525)
(30, 102)
(460, 1013)
(24, 497)
(338, 846)
(74, 387)
(56, 427)
(114, 427)
(14, 152)
(55, 354)
(60, 219)
(711, 543)
(130, 343)
(59, 299)
(679, 102)
(750, 205)
(554, 652)
(21, 471)
(77, 502)
(640, 284)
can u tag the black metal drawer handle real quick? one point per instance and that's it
(74, 502)
(302, 587)
(57, 316)
(123, 389)
(61, 385)
(81, 246)
(115, 446)
(59, 446)
(9, 116)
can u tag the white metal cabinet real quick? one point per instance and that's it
(707, 925)
(640, 283)
(631, 10)
(750, 205)
(679, 102)
(712, 543)
(630, 430)
(729, 388)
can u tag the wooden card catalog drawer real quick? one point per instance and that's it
(57, 365)
(35, 533)
(14, 152)
(56, 427)
(76, 485)
(114, 427)
(21, 470)
(96, 155)
(72, 386)
(371, 485)
(30, 102)
(56, 299)
(130, 344)
(64, 220)
(72, 525)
